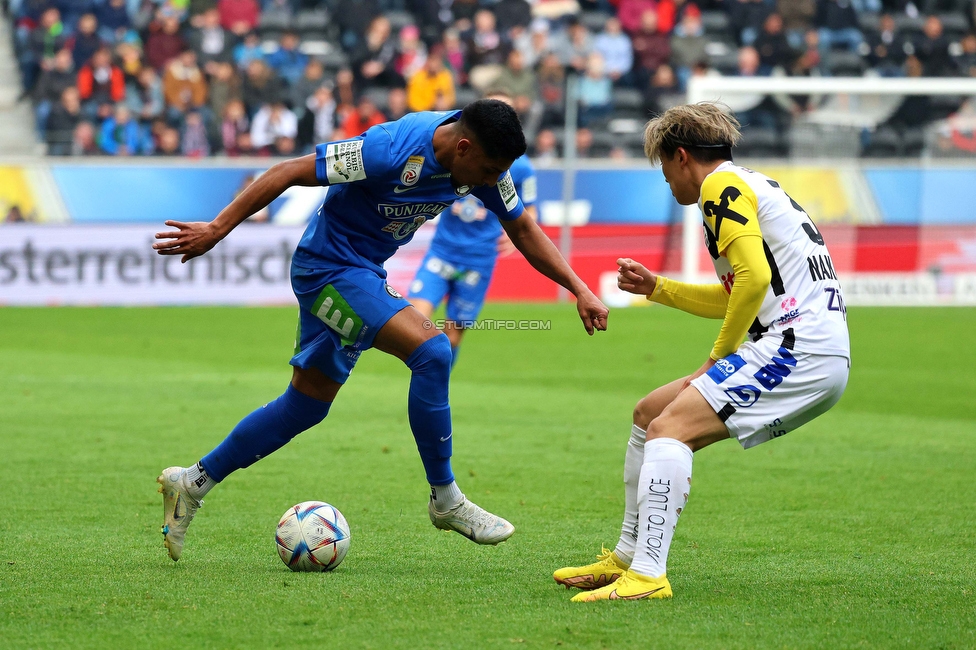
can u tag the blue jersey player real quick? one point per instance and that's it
(386, 183)
(459, 264)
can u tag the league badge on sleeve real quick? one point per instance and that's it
(506, 188)
(411, 171)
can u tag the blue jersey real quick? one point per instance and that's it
(469, 231)
(387, 183)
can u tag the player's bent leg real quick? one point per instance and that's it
(427, 352)
(304, 404)
(454, 332)
(425, 307)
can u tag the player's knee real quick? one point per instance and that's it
(645, 412)
(432, 356)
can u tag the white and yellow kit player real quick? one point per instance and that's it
(777, 290)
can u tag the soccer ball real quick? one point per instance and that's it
(312, 536)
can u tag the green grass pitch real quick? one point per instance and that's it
(856, 531)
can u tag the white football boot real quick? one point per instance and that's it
(178, 509)
(472, 521)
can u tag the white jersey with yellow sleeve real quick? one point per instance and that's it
(804, 295)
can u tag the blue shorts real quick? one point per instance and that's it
(464, 286)
(340, 311)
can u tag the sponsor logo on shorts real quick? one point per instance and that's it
(393, 292)
(725, 368)
(743, 396)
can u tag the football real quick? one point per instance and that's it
(312, 536)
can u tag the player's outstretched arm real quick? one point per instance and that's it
(197, 237)
(528, 237)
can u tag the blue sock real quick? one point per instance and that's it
(428, 408)
(455, 350)
(264, 431)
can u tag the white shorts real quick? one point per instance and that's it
(766, 389)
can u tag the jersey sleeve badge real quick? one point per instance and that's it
(411, 171)
(506, 189)
(344, 162)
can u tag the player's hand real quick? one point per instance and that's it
(592, 312)
(189, 239)
(633, 277)
(698, 373)
(505, 245)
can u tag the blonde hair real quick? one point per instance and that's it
(708, 129)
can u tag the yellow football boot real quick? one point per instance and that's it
(629, 586)
(604, 571)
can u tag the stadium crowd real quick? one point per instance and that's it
(274, 77)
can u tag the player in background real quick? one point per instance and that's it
(467, 243)
(778, 286)
(385, 184)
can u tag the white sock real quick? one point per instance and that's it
(445, 497)
(665, 480)
(197, 481)
(633, 461)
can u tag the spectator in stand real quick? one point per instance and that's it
(184, 86)
(129, 57)
(431, 88)
(100, 82)
(43, 44)
(72, 11)
(239, 16)
(144, 96)
(113, 20)
(631, 12)
(774, 50)
(49, 91)
(261, 86)
(932, 49)
(745, 17)
(272, 121)
(235, 129)
(966, 60)
(534, 43)
(61, 122)
(164, 42)
(194, 141)
(396, 104)
(209, 39)
(345, 94)
(86, 40)
(486, 51)
(512, 13)
(545, 149)
(595, 92)
(915, 110)
(248, 50)
(432, 16)
(169, 142)
(756, 109)
(122, 136)
(375, 58)
(688, 44)
(312, 78)
(288, 61)
(464, 12)
(584, 143)
(809, 62)
(453, 50)
(318, 123)
(652, 48)
(552, 83)
(354, 18)
(365, 116)
(887, 48)
(663, 92)
(411, 53)
(574, 46)
(798, 19)
(518, 82)
(616, 49)
(838, 25)
(83, 141)
(224, 87)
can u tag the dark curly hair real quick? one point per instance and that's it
(496, 127)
